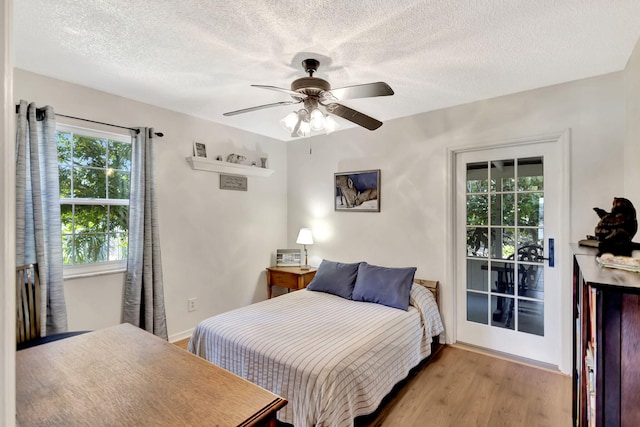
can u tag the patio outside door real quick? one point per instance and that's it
(507, 220)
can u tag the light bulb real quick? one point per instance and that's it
(304, 129)
(330, 125)
(317, 120)
(289, 121)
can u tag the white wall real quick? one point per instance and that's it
(215, 243)
(632, 136)
(7, 222)
(411, 152)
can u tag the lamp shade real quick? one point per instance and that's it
(305, 237)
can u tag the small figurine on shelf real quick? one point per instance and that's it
(263, 162)
(235, 158)
(616, 228)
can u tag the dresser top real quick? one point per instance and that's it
(594, 274)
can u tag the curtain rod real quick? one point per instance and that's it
(39, 113)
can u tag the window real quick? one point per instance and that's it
(94, 169)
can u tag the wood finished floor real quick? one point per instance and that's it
(466, 388)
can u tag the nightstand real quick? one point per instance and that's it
(289, 277)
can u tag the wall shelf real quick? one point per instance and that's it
(203, 164)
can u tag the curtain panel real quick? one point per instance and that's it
(38, 226)
(143, 304)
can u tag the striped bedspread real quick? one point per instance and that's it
(332, 359)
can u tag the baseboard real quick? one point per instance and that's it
(181, 335)
(506, 356)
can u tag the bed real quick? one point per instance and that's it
(332, 358)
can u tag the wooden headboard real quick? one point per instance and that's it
(433, 286)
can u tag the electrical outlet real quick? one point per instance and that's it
(191, 304)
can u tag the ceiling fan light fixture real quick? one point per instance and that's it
(289, 121)
(317, 119)
(330, 125)
(304, 129)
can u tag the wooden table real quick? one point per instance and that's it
(124, 376)
(289, 277)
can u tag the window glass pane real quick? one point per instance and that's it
(64, 173)
(119, 155)
(89, 183)
(502, 312)
(118, 218)
(90, 247)
(477, 177)
(64, 144)
(503, 209)
(530, 174)
(477, 208)
(531, 281)
(119, 185)
(502, 242)
(478, 241)
(477, 307)
(531, 209)
(502, 277)
(67, 249)
(531, 317)
(90, 218)
(118, 246)
(477, 275)
(502, 175)
(90, 151)
(66, 218)
(531, 237)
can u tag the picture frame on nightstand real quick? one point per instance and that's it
(288, 257)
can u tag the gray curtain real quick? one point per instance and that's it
(38, 227)
(143, 304)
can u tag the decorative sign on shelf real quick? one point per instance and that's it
(233, 182)
(288, 257)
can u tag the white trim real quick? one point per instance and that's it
(566, 298)
(95, 133)
(86, 201)
(181, 335)
(8, 221)
(94, 269)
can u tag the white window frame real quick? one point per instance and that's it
(102, 267)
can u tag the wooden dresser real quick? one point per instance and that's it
(124, 376)
(289, 277)
(606, 356)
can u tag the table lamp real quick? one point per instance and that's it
(305, 238)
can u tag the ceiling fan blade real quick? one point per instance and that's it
(354, 116)
(358, 91)
(260, 107)
(287, 91)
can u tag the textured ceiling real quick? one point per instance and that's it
(199, 57)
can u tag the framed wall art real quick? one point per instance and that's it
(357, 191)
(233, 182)
(199, 149)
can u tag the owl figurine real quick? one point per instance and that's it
(616, 228)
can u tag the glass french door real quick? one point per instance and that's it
(506, 216)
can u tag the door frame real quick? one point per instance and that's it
(562, 253)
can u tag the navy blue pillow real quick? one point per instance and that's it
(335, 278)
(383, 285)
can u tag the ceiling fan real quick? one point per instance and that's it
(320, 101)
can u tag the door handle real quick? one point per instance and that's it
(551, 259)
(552, 256)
